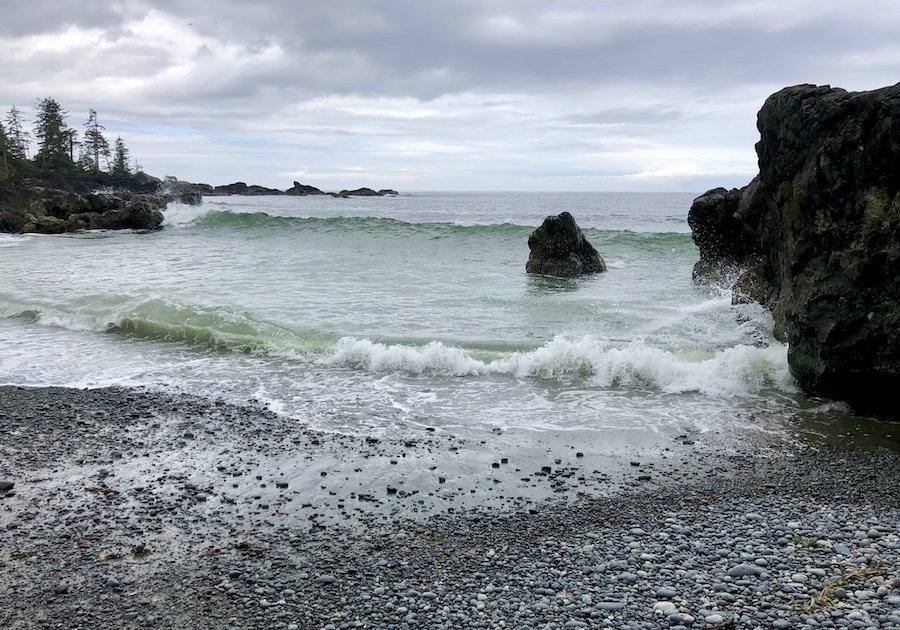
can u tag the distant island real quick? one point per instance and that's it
(179, 187)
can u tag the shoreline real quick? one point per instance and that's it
(133, 508)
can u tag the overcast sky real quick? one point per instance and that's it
(441, 94)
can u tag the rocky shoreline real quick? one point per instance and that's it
(139, 509)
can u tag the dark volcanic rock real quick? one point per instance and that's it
(302, 190)
(240, 188)
(821, 237)
(53, 205)
(360, 192)
(191, 198)
(717, 233)
(558, 248)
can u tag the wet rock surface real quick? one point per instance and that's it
(139, 509)
(818, 235)
(54, 204)
(558, 248)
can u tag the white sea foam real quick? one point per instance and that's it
(736, 371)
(13, 240)
(181, 214)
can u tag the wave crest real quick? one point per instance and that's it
(736, 371)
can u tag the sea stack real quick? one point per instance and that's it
(558, 248)
(817, 234)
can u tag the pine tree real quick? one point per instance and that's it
(19, 139)
(56, 140)
(4, 153)
(95, 144)
(121, 157)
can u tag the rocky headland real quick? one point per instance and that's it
(49, 202)
(56, 202)
(558, 248)
(816, 238)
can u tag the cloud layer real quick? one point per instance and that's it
(442, 94)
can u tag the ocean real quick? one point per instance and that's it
(378, 315)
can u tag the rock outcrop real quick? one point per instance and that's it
(303, 190)
(241, 188)
(54, 203)
(717, 233)
(559, 248)
(818, 235)
(296, 190)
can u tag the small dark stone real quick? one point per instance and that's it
(6, 486)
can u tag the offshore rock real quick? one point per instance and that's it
(361, 192)
(819, 236)
(241, 188)
(559, 248)
(303, 190)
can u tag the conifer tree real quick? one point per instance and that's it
(94, 145)
(121, 157)
(19, 139)
(56, 140)
(4, 153)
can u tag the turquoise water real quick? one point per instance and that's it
(375, 314)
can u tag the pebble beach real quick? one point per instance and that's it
(127, 508)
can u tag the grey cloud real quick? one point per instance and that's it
(426, 49)
(624, 115)
(35, 17)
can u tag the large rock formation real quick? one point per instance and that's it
(818, 235)
(558, 248)
(54, 203)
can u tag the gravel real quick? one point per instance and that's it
(140, 509)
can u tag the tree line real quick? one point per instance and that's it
(59, 145)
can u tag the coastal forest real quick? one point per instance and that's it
(59, 146)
